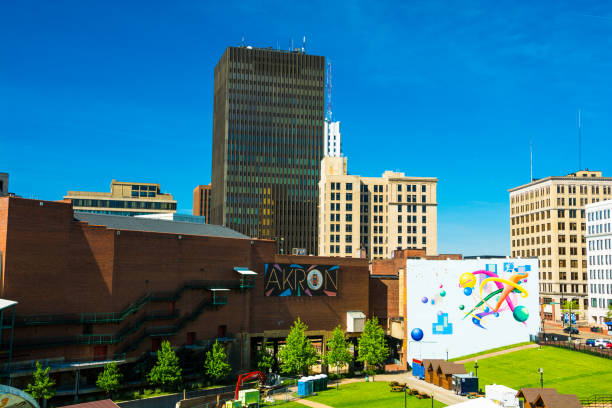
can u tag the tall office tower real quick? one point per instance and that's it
(268, 144)
(333, 139)
(547, 220)
(599, 260)
(201, 201)
(375, 214)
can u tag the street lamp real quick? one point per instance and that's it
(541, 377)
(476, 367)
(405, 386)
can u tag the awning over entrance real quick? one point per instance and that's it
(244, 271)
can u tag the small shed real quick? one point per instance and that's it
(529, 396)
(445, 373)
(431, 366)
(463, 384)
(557, 401)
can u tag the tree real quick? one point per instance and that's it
(570, 306)
(609, 313)
(299, 354)
(216, 365)
(264, 359)
(166, 371)
(110, 378)
(372, 345)
(42, 384)
(337, 350)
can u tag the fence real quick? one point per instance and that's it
(595, 351)
(169, 401)
(597, 401)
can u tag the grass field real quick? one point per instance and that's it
(371, 395)
(570, 372)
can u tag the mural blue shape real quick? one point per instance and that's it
(508, 266)
(442, 326)
(492, 268)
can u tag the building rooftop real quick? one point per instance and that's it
(155, 225)
(579, 176)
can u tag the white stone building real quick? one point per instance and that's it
(599, 259)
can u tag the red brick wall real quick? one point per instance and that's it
(56, 265)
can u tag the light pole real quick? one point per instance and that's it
(476, 367)
(541, 377)
(405, 386)
(431, 400)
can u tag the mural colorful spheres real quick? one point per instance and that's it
(416, 334)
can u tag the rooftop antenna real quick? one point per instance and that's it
(304, 44)
(579, 139)
(531, 156)
(291, 49)
(243, 40)
(328, 114)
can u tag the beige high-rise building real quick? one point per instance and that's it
(375, 214)
(547, 220)
(124, 199)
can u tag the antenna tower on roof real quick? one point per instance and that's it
(328, 114)
(579, 139)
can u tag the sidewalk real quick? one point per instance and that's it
(498, 353)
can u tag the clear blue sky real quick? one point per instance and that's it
(96, 90)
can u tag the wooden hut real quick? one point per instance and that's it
(546, 398)
(445, 373)
(431, 366)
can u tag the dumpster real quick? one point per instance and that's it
(418, 370)
(463, 384)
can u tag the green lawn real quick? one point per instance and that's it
(371, 395)
(570, 372)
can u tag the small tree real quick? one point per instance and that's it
(166, 371)
(42, 385)
(571, 307)
(109, 379)
(299, 354)
(337, 350)
(372, 345)
(264, 359)
(609, 313)
(216, 365)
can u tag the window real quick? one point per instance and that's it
(349, 249)
(399, 229)
(399, 198)
(399, 218)
(423, 188)
(423, 198)
(349, 186)
(349, 238)
(399, 187)
(424, 230)
(349, 217)
(424, 219)
(349, 207)
(349, 196)
(349, 228)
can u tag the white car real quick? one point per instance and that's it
(601, 343)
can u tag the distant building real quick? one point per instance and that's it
(4, 179)
(547, 220)
(333, 139)
(123, 199)
(268, 125)
(376, 214)
(599, 259)
(201, 201)
(196, 219)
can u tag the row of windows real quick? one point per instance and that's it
(601, 303)
(599, 228)
(600, 274)
(574, 288)
(600, 260)
(599, 215)
(336, 186)
(596, 244)
(144, 188)
(411, 198)
(573, 276)
(149, 205)
(412, 187)
(601, 288)
(335, 249)
(547, 251)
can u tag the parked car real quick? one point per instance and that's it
(609, 345)
(571, 330)
(590, 342)
(601, 343)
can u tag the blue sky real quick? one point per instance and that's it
(96, 90)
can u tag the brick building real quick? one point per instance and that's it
(92, 287)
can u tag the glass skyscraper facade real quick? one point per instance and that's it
(268, 141)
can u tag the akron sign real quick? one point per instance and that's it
(301, 280)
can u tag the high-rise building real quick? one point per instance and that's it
(333, 139)
(124, 199)
(599, 260)
(201, 201)
(4, 179)
(548, 221)
(376, 214)
(268, 144)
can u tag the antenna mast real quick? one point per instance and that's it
(579, 139)
(328, 114)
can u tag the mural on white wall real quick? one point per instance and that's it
(459, 307)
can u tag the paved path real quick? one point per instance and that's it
(312, 404)
(498, 353)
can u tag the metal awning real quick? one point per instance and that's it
(244, 271)
(220, 289)
(356, 314)
(4, 303)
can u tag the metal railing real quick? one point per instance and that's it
(596, 351)
(597, 401)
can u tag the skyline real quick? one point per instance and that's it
(129, 95)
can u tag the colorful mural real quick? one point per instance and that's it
(467, 306)
(301, 280)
